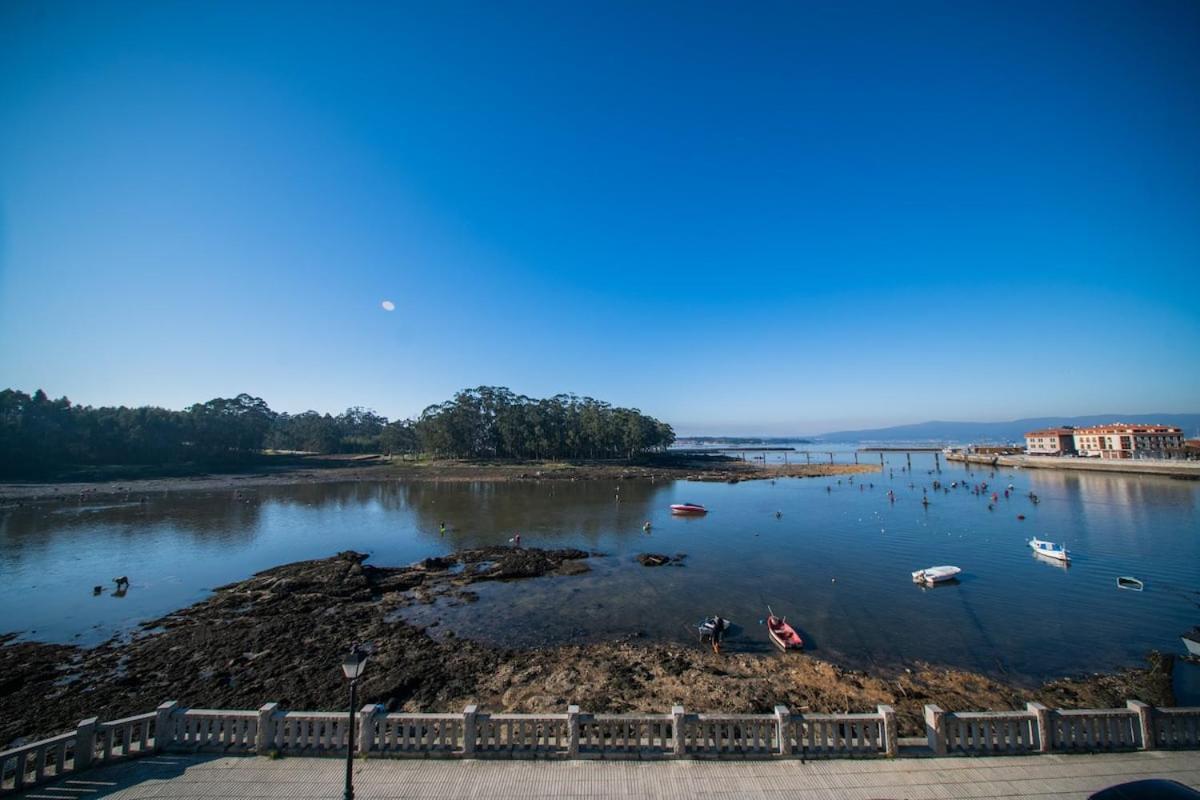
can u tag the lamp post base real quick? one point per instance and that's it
(349, 794)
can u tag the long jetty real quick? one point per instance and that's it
(921, 449)
(1174, 468)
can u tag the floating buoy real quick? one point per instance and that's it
(1020, 516)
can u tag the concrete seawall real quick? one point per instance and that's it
(1184, 469)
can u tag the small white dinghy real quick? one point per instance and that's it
(1049, 549)
(1191, 640)
(931, 575)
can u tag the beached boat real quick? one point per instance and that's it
(709, 628)
(709, 624)
(931, 575)
(1049, 549)
(1191, 640)
(783, 636)
(1132, 584)
(688, 508)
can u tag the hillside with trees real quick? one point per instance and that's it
(40, 436)
(492, 422)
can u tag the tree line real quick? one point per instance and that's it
(492, 422)
(39, 435)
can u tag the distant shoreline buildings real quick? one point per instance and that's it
(1116, 440)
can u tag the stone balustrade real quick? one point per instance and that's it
(994, 732)
(1171, 728)
(125, 738)
(92, 742)
(575, 734)
(1098, 729)
(213, 729)
(414, 733)
(1138, 726)
(817, 735)
(730, 734)
(309, 732)
(38, 762)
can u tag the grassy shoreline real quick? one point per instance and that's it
(333, 469)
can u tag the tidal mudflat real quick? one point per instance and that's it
(279, 636)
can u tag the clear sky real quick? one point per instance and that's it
(739, 217)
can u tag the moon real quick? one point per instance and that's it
(388, 305)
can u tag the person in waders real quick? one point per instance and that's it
(718, 634)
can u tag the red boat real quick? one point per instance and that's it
(784, 636)
(688, 508)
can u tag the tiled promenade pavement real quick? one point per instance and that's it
(1046, 776)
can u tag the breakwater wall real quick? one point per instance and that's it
(1173, 468)
(270, 730)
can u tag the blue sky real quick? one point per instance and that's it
(772, 217)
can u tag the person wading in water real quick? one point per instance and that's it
(718, 634)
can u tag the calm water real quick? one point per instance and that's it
(837, 562)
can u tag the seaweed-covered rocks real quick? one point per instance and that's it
(660, 559)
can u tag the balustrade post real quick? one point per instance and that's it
(572, 731)
(891, 746)
(366, 728)
(678, 738)
(470, 730)
(1045, 735)
(935, 729)
(1145, 714)
(783, 724)
(164, 726)
(264, 735)
(85, 742)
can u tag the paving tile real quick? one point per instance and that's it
(203, 777)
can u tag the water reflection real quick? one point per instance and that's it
(836, 561)
(202, 515)
(546, 513)
(1057, 563)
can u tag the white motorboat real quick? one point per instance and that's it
(931, 575)
(1047, 561)
(1191, 640)
(1049, 549)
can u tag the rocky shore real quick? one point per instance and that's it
(279, 636)
(331, 469)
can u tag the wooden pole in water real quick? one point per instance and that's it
(881, 461)
(831, 458)
(909, 457)
(808, 456)
(855, 456)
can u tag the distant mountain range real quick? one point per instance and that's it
(1014, 431)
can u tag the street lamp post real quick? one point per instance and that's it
(352, 666)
